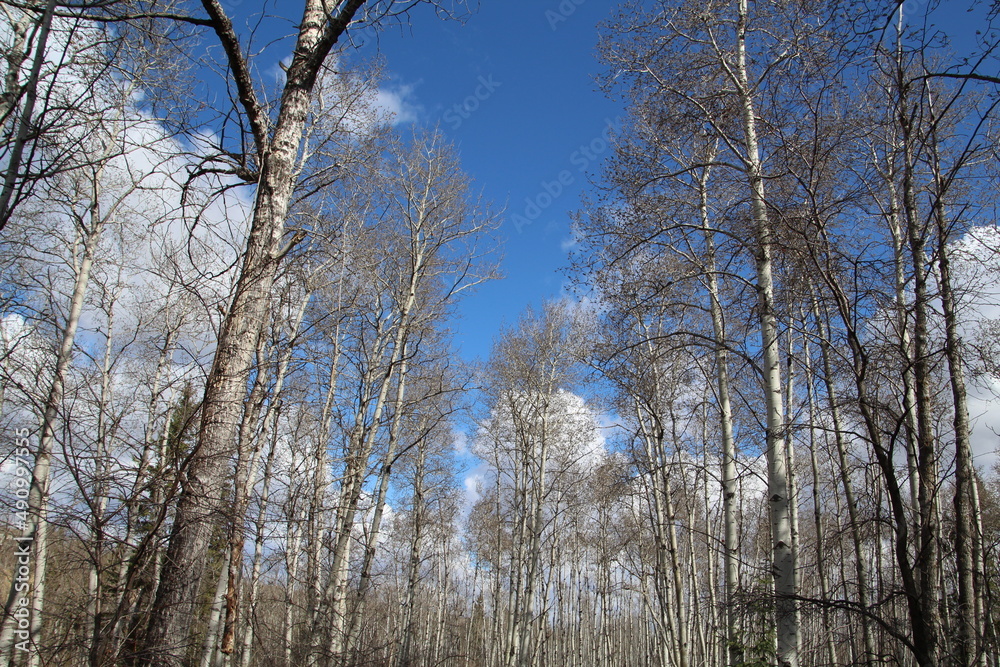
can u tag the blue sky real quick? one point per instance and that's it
(513, 87)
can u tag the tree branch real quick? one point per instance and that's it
(223, 28)
(969, 76)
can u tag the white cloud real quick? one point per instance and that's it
(985, 418)
(976, 269)
(471, 484)
(399, 103)
(460, 441)
(573, 240)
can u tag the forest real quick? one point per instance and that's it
(235, 430)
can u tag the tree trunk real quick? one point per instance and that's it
(129, 556)
(966, 615)
(99, 504)
(927, 639)
(380, 500)
(210, 647)
(26, 121)
(246, 470)
(822, 548)
(226, 386)
(408, 623)
(360, 445)
(860, 567)
(779, 492)
(270, 427)
(244, 476)
(735, 651)
(292, 567)
(33, 543)
(316, 517)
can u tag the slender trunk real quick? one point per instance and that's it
(498, 646)
(244, 473)
(779, 492)
(658, 491)
(991, 649)
(227, 380)
(926, 633)
(399, 357)
(413, 566)
(129, 556)
(966, 615)
(521, 511)
(33, 542)
(793, 482)
(682, 649)
(735, 651)
(270, 427)
(380, 500)
(361, 444)
(867, 406)
(529, 614)
(712, 657)
(159, 498)
(821, 545)
(292, 567)
(927, 563)
(246, 470)
(860, 567)
(99, 504)
(316, 524)
(210, 647)
(443, 585)
(359, 454)
(27, 120)
(16, 54)
(905, 343)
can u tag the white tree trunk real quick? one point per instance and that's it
(226, 386)
(34, 537)
(210, 647)
(779, 491)
(730, 522)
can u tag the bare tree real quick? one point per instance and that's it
(276, 151)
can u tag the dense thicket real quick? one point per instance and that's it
(235, 428)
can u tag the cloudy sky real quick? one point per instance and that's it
(514, 88)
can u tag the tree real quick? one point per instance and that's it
(531, 426)
(275, 152)
(98, 192)
(718, 70)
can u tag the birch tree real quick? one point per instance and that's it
(729, 70)
(276, 143)
(102, 191)
(532, 368)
